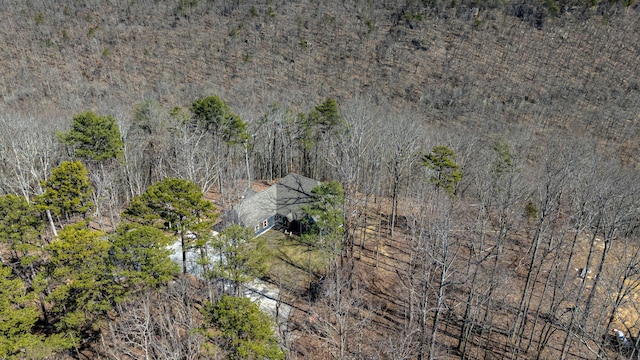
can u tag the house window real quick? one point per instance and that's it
(265, 223)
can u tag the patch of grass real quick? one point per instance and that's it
(291, 261)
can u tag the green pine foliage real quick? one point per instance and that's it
(141, 256)
(18, 317)
(327, 208)
(20, 228)
(244, 331)
(447, 172)
(94, 137)
(242, 255)
(214, 115)
(326, 218)
(78, 281)
(326, 117)
(504, 162)
(68, 191)
(178, 206)
(172, 204)
(317, 127)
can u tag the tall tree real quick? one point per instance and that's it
(146, 146)
(28, 151)
(350, 157)
(18, 317)
(326, 214)
(321, 122)
(21, 230)
(447, 172)
(94, 137)
(97, 141)
(175, 205)
(245, 332)
(140, 255)
(214, 115)
(242, 256)
(400, 154)
(68, 191)
(495, 185)
(327, 235)
(326, 115)
(273, 145)
(227, 129)
(78, 280)
(192, 153)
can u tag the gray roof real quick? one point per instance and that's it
(285, 198)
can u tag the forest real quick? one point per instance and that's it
(479, 165)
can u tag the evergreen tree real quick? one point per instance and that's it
(20, 228)
(504, 162)
(327, 207)
(242, 255)
(68, 191)
(175, 205)
(94, 137)
(18, 317)
(97, 141)
(245, 332)
(214, 114)
(227, 129)
(447, 171)
(315, 128)
(78, 280)
(140, 255)
(326, 115)
(326, 217)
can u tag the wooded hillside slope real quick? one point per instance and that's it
(483, 66)
(479, 160)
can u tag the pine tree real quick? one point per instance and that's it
(326, 218)
(245, 332)
(447, 171)
(175, 205)
(94, 137)
(68, 191)
(20, 228)
(242, 255)
(214, 115)
(140, 255)
(78, 280)
(18, 317)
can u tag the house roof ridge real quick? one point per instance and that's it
(285, 197)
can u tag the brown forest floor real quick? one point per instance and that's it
(378, 260)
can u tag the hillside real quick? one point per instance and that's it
(478, 159)
(576, 72)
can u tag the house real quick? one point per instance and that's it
(280, 205)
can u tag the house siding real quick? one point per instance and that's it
(265, 225)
